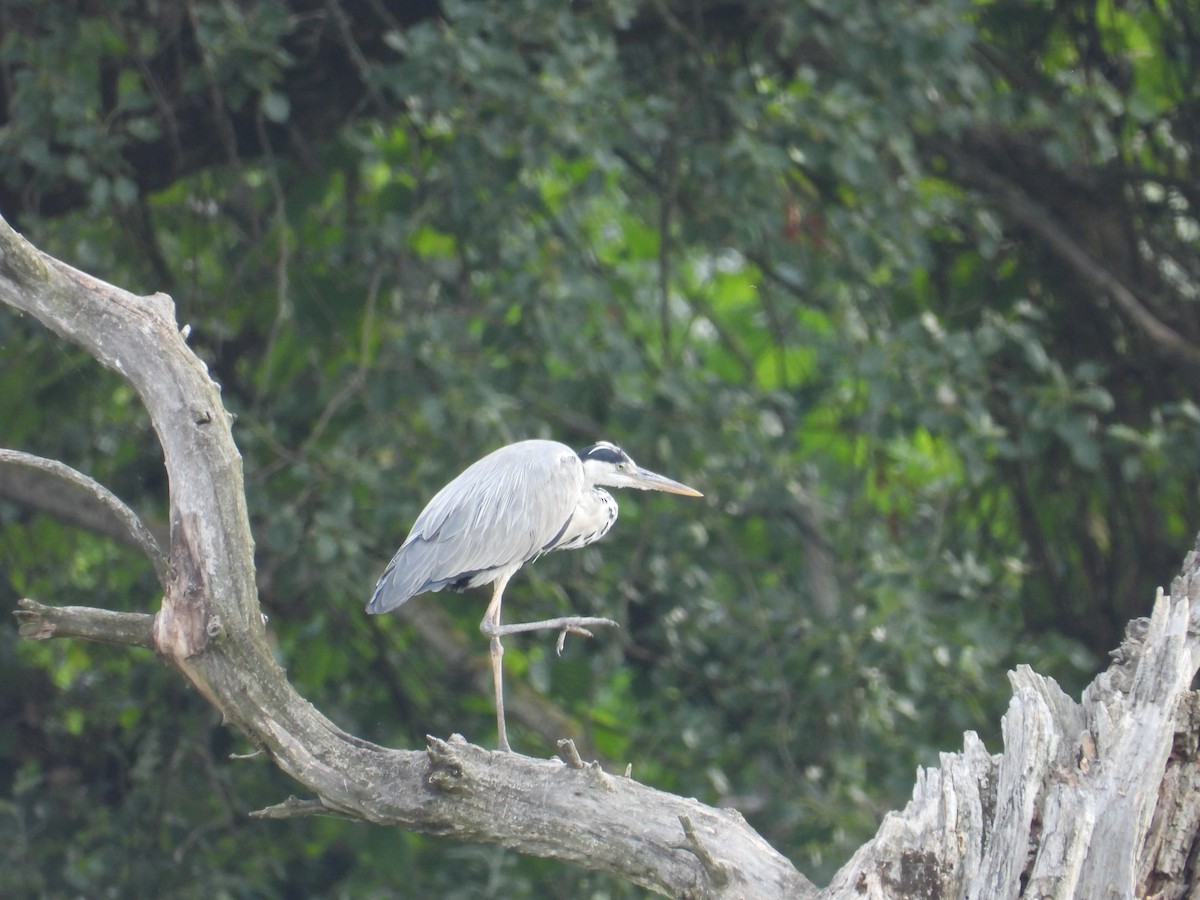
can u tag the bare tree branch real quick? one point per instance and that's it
(39, 622)
(55, 488)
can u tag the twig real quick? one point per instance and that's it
(717, 871)
(569, 754)
(293, 808)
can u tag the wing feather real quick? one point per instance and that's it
(499, 513)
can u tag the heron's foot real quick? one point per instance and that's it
(564, 625)
(575, 629)
(577, 624)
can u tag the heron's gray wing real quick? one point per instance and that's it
(499, 513)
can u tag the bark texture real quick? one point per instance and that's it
(1090, 799)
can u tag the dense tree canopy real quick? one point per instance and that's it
(908, 290)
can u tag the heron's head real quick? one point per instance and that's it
(608, 465)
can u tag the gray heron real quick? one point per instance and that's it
(503, 511)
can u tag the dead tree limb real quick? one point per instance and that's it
(1090, 799)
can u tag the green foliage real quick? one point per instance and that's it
(724, 244)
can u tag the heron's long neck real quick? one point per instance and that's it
(593, 517)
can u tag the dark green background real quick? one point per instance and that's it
(859, 272)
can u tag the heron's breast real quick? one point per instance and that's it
(592, 519)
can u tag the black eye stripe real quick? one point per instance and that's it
(604, 453)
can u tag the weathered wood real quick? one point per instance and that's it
(1090, 799)
(38, 622)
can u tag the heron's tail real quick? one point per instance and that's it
(387, 595)
(409, 573)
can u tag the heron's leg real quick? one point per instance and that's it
(564, 625)
(491, 627)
